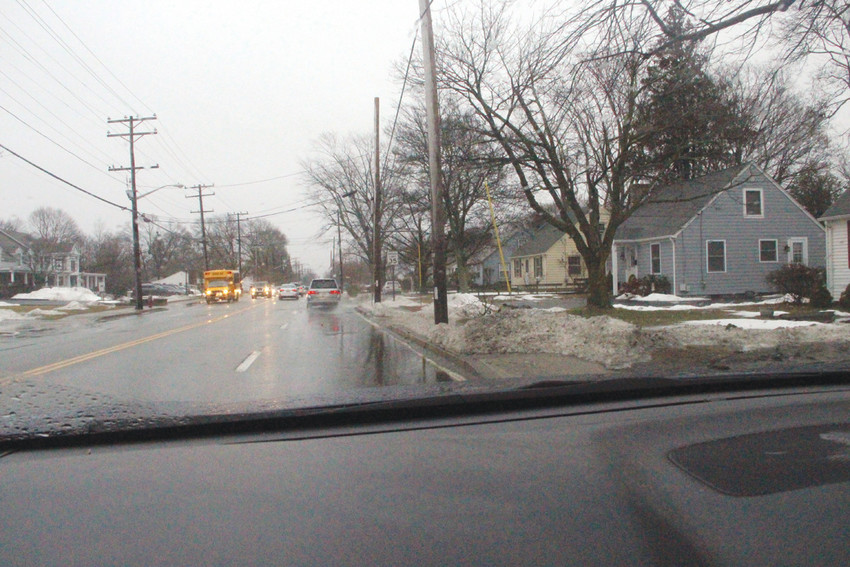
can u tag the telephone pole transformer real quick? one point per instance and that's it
(132, 135)
(201, 210)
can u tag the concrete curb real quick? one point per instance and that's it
(407, 335)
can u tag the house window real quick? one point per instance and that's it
(538, 267)
(517, 268)
(753, 203)
(574, 265)
(655, 258)
(716, 255)
(57, 264)
(767, 251)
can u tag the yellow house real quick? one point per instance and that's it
(549, 259)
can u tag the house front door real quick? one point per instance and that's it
(630, 253)
(798, 252)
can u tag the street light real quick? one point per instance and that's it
(130, 193)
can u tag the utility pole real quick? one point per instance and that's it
(201, 210)
(438, 213)
(239, 240)
(339, 242)
(132, 135)
(376, 219)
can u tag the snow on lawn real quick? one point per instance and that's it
(61, 294)
(754, 323)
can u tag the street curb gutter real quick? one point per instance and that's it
(409, 336)
(131, 313)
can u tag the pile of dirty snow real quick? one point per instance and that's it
(73, 306)
(80, 294)
(604, 340)
(44, 313)
(9, 315)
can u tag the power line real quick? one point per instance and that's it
(285, 175)
(96, 57)
(53, 175)
(51, 140)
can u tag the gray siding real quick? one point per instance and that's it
(724, 219)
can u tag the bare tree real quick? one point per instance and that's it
(566, 124)
(343, 190)
(54, 226)
(821, 31)
(469, 160)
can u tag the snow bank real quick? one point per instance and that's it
(44, 313)
(9, 315)
(61, 294)
(73, 306)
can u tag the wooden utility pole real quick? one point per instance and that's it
(132, 135)
(376, 217)
(239, 241)
(438, 213)
(339, 244)
(201, 210)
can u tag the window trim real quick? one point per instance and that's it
(580, 271)
(655, 246)
(760, 191)
(708, 258)
(775, 251)
(538, 260)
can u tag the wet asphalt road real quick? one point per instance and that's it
(221, 353)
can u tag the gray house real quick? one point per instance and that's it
(719, 234)
(486, 266)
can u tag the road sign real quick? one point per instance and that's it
(392, 258)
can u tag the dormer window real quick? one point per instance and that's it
(753, 203)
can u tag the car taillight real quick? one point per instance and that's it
(311, 292)
(334, 292)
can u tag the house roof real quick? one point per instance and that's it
(671, 207)
(541, 241)
(840, 208)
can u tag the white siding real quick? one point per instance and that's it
(838, 272)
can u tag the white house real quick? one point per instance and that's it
(837, 221)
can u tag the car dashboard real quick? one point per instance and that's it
(716, 478)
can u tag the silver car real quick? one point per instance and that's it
(323, 291)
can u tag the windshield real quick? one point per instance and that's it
(618, 193)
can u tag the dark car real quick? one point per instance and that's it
(323, 291)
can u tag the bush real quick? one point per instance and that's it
(844, 300)
(646, 285)
(797, 280)
(821, 298)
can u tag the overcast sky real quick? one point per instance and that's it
(242, 91)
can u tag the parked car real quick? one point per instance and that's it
(323, 291)
(391, 286)
(261, 289)
(288, 291)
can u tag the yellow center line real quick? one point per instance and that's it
(119, 347)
